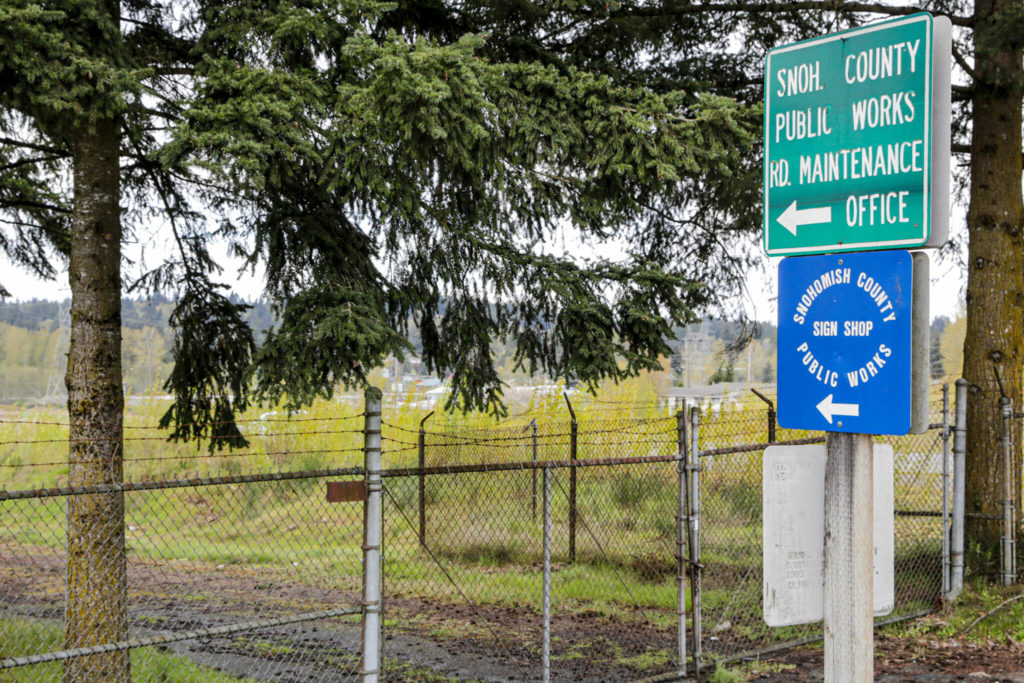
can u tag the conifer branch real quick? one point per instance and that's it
(39, 148)
(29, 204)
(174, 71)
(774, 7)
(663, 115)
(31, 160)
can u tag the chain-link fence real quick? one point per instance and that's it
(731, 533)
(203, 577)
(465, 543)
(255, 575)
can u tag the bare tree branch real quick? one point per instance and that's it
(992, 611)
(30, 160)
(772, 7)
(962, 93)
(962, 63)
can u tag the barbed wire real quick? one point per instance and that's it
(197, 424)
(627, 443)
(393, 451)
(197, 456)
(221, 437)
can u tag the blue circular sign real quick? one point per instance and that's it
(845, 342)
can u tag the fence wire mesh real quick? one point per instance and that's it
(731, 533)
(236, 566)
(614, 534)
(213, 575)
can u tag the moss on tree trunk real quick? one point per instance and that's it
(96, 609)
(995, 282)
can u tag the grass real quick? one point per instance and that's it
(649, 659)
(36, 635)
(976, 617)
(761, 669)
(723, 674)
(398, 670)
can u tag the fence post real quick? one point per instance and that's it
(533, 472)
(946, 568)
(693, 532)
(372, 540)
(422, 442)
(546, 601)
(956, 535)
(572, 481)
(771, 414)
(681, 540)
(1008, 543)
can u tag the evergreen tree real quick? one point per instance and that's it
(382, 167)
(722, 46)
(723, 373)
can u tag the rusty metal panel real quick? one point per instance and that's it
(346, 491)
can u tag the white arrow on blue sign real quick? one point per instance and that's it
(845, 342)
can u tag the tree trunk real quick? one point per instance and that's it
(995, 281)
(96, 608)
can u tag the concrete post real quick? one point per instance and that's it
(849, 550)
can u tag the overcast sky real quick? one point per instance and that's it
(946, 292)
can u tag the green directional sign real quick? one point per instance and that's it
(856, 139)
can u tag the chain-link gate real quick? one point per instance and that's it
(465, 543)
(731, 536)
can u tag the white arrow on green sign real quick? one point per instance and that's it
(856, 139)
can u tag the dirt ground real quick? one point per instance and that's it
(434, 641)
(905, 658)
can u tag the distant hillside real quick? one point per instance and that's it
(33, 348)
(33, 345)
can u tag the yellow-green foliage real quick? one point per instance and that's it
(485, 527)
